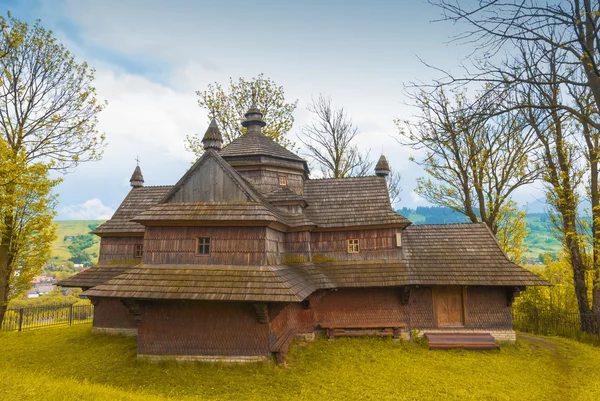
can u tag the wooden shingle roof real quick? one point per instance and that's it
(136, 201)
(207, 211)
(95, 275)
(223, 283)
(254, 144)
(460, 254)
(346, 202)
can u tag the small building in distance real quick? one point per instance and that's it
(246, 251)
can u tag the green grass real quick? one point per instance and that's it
(71, 363)
(60, 252)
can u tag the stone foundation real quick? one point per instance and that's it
(203, 358)
(115, 331)
(501, 336)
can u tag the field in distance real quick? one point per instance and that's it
(68, 230)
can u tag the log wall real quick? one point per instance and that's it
(229, 245)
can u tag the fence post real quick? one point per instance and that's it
(536, 318)
(21, 319)
(71, 315)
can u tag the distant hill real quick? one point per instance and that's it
(541, 238)
(76, 234)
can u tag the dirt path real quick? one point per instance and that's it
(559, 356)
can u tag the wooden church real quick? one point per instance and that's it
(246, 252)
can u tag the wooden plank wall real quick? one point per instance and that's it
(268, 181)
(229, 245)
(374, 244)
(118, 248)
(297, 247)
(274, 246)
(210, 183)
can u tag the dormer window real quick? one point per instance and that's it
(353, 246)
(283, 180)
(138, 251)
(203, 246)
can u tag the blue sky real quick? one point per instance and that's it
(152, 56)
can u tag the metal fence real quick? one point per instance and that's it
(46, 316)
(552, 322)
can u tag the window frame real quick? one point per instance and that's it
(138, 251)
(354, 245)
(283, 181)
(205, 242)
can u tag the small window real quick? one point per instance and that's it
(203, 246)
(353, 246)
(139, 250)
(282, 180)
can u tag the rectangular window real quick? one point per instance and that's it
(353, 246)
(139, 250)
(282, 180)
(203, 246)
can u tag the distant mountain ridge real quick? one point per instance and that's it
(540, 240)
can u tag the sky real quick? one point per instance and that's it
(152, 56)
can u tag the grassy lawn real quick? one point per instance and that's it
(71, 363)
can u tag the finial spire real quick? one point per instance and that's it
(382, 168)
(253, 122)
(212, 138)
(137, 179)
(137, 160)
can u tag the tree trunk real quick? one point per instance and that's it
(4, 279)
(5, 264)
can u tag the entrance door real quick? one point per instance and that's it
(448, 306)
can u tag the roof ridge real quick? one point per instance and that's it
(344, 178)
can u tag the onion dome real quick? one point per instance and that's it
(253, 122)
(382, 168)
(212, 138)
(137, 179)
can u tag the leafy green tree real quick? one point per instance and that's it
(48, 110)
(228, 107)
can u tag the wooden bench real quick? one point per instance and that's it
(281, 346)
(363, 329)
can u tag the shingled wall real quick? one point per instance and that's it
(206, 330)
(118, 248)
(231, 330)
(111, 316)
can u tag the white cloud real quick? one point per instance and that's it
(91, 209)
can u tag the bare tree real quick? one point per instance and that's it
(475, 162)
(550, 51)
(393, 181)
(329, 141)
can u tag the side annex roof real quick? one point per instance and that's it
(137, 200)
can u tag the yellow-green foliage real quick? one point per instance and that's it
(290, 258)
(323, 258)
(60, 251)
(55, 298)
(26, 213)
(71, 363)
